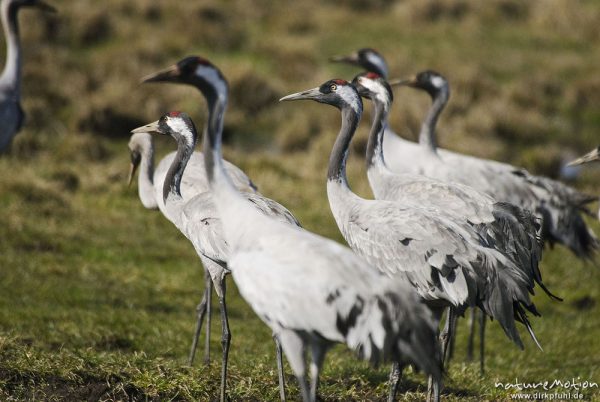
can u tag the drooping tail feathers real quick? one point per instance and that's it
(561, 208)
(395, 326)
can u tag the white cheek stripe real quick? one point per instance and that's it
(178, 125)
(437, 82)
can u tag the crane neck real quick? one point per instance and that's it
(172, 184)
(339, 154)
(427, 134)
(375, 141)
(11, 75)
(146, 176)
(218, 179)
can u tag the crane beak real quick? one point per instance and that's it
(132, 169)
(411, 82)
(136, 158)
(152, 128)
(167, 75)
(349, 59)
(42, 5)
(589, 157)
(311, 94)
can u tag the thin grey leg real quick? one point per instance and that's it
(280, 368)
(470, 343)
(304, 389)
(447, 332)
(395, 376)
(433, 395)
(433, 387)
(209, 285)
(318, 355)
(201, 310)
(482, 344)
(225, 337)
(293, 346)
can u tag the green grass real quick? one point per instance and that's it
(97, 294)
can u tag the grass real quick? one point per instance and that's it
(97, 295)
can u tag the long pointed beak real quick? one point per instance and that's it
(350, 59)
(310, 94)
(42, 5)
(152, 128)
(589, 157)
(167, 75)
(132, 168)
(410, 82)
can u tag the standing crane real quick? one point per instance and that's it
(446, 261)
(311, 291)
(506, 227)
(11, 113)
(150, 184)
(207, 237)
(208, 240)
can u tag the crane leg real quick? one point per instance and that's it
(433, 393)
(225, 336)
(201, 311)
(470, 342)
(209, 286)
(395, 377)
(293, 346)
(433, 387)
(318, 352)
(280, 373)
(482, 343)
(446, 334)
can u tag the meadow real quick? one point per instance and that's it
(98, 295)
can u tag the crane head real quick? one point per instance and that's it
(373, 86)
(429, 81)
(196, 71)
(367, 58)
(176, 124)
(587, 158)
(138, 144)
(336, 92)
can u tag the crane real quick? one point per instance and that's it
(444, 260)
(11, 113)
(150, 183)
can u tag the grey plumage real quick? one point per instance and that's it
(446, 261)
(193, 182)
(558, 206)
(11, 112)
(502, 226)
(305, 287)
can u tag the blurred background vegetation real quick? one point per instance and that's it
(97, 294)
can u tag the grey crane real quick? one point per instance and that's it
(11, 113)
(505, 227)
(150, 185)
(207, 236)
(208, 240)
(444, 260)
(311, 291)
(558, 205)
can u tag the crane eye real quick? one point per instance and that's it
(333, 87)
